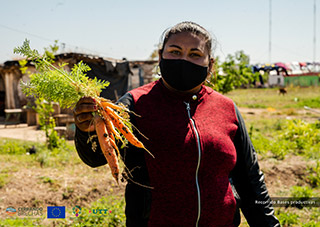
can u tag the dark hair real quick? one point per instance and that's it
(187, 26)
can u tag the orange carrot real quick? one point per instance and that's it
(114, 145)
(115, 118)
(106, 147)
(110, 126)
(105, 103)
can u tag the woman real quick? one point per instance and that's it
(205, 166)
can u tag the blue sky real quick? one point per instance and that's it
(132, 29)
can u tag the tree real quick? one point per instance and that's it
(233, 73)
(154, 55)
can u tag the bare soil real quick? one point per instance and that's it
(33, 186)
(280, 176)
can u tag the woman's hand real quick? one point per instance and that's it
(82, 114)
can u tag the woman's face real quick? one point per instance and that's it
(187, 46)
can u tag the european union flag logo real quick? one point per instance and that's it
(56, 212)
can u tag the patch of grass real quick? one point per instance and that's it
(18, 149)
(310, 224)
(301, 192)
(20, 222)
(312, 102)
(46, 180)
(107, 211)
(9, 146)
(314, 175)
(287, 218)
(4, 179)
(287, 137)
(54, 185)
(297, 97)
(256, 105)
(307, 217)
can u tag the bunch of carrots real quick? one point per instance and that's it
(108, 124)
(54, 83)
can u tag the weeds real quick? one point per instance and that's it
(47, 124)
(287, 218)
(288, 137)
(4, 179)
(20, 222)
(47, 180)
(298, 192)
(107, 211)
(45, 157)
(9, 146)
(314, 175)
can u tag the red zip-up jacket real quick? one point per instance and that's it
(200, 145)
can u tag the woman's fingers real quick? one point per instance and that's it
(84, 117)
(86, 126)
(85, 104)
(84, 108)
(83, 113)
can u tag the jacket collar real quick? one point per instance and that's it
(178, 97)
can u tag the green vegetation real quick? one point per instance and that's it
(19, 150)
(236, 72)
(314, 175)
(287, 219)
(8, 146)
(107, 211)
(4, 179)
(54, 83)
(20, 222)
(298, 192)
(47, 124)
(288, 137)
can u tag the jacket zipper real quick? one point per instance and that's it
(199, 160)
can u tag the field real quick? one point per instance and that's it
(286, 137)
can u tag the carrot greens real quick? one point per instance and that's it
(54, 83)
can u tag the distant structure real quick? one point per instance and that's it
(294, 73)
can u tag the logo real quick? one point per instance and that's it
(56, 212)
(76, 211)
(30, 211)
(11, 211)
(100, 212)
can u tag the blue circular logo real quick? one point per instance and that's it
(11, 211)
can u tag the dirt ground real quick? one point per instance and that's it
(32, 186)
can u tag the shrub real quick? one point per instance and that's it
(301, 192)
(314, 175)
(291, 136)
(287, 219)
(13, 147)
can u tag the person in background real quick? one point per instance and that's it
(205, 167)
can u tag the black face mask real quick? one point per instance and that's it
(182, 75)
